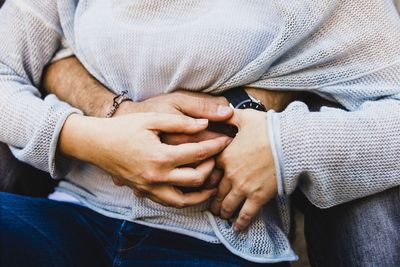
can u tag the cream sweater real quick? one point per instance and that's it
(345, 51)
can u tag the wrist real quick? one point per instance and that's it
(73, 140)
(118, 100)
(102, 102)
(276, 100)
(127, 107)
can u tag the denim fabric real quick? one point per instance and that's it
(365, 232)
(42, 232)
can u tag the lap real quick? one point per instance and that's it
(364, 232)
(42, 232)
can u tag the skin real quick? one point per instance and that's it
(251, 186)
(130, 147)
(174, 154)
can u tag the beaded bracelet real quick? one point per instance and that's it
(117, 101)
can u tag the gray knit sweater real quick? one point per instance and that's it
(345, 51)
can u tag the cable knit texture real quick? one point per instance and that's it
(345, 51)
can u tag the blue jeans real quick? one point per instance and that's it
(41, 232)
(364, 232)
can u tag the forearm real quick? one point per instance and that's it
(71, 82)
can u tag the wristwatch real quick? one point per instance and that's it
(238, 98)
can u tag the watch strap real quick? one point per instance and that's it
(236, 96)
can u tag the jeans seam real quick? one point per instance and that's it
(116, 259)
(143, 238)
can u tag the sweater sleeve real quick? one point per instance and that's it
(65, 51)
(30, 35)
(335, 156)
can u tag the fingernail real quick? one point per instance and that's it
(202, 121)
(236, 228)
(224, 110)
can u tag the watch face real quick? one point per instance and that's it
(252, 105)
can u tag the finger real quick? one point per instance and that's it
(246, 215)
(223, 189)
(172, 123)
(214, 179)
(203, 106)
(191, 177)
(117, 181)
(178, 139)
(193, 152)
(138, 193)
(230, 204)
(172, 197)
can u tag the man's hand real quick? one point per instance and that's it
(196, 105)
(249, 177)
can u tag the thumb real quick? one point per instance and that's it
(204, 106)
(171, 123)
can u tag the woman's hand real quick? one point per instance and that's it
(129, 146)
(193, 104)
(249, 171)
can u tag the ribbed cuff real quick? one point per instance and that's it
(276, 147)
(60, 165)
(42, 131)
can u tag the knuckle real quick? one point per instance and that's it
(257, 198)
(201, 154)
(227, 209)
(229, 176)
(158, 158)
(151, 177)
(245, 216)
(241, 188)
(202, 105)
(179, 204)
